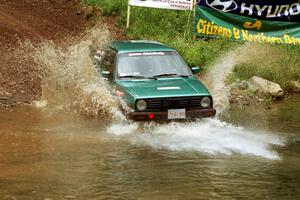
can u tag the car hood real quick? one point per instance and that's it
(164, 87)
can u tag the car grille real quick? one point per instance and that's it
(188, 103)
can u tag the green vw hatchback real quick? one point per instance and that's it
(154, 81)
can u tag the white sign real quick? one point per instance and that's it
(165, 4)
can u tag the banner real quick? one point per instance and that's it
(165, 4)
(250, 20)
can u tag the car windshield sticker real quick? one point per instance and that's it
(168, 88)
(154, 53)
(147, 54)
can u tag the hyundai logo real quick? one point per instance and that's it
(222, 5)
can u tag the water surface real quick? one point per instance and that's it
(254, 155)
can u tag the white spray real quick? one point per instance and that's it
(69, 79)
(216, 77)
(207, 136)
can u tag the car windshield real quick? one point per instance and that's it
(151, 64)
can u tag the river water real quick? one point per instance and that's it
(59, 149)
(252, 153)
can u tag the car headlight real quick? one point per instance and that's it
(141, 105)
(206, 102)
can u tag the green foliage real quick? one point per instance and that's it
(175, 28)
(171, 27)
(279, 64)
(199, 52)
(108, 7)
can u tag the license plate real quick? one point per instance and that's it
(176, 114)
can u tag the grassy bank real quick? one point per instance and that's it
(166, 26)
(279, 63)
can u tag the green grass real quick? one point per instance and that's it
(279, 63)
(171, 27)
(108, 7)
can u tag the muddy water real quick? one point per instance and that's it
(251, 154)
(50, 151)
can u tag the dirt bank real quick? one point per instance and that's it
(36, 21)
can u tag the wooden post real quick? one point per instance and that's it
(187, 24)
(194, 8)
(128, 16)
(194, 15)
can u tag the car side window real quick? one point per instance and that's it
(104, 60)
(108, 61)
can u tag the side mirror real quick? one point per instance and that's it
(105, 74)
(195, 70)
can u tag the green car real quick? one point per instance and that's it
(154, 81)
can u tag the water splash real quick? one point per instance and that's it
(124, 128)
(69, 82)
(69, 78)
(216, 77)
(208, 136)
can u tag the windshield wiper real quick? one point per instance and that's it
(135, 76)
(166, 75)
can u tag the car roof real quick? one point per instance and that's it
(130, 46)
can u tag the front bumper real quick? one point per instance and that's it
(163, 115)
